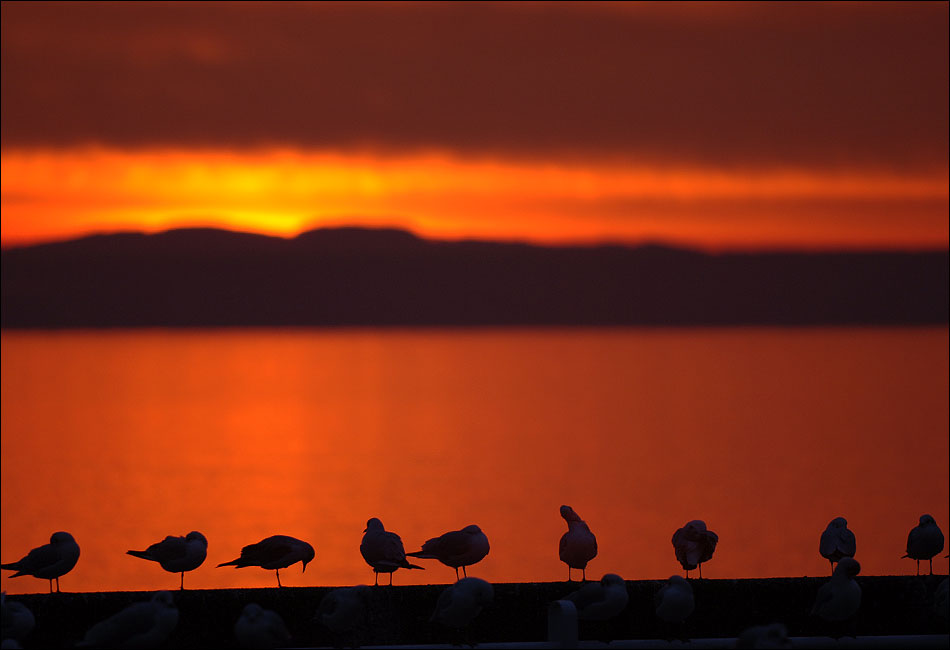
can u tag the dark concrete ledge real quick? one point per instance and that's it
(891, 605)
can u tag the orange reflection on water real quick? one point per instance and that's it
(124, 437)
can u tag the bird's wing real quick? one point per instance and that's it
(113, 632)
(828, 544)
(38, 558)
(587, 595)
(170, 548)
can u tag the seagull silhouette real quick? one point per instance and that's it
(140, 625)
(837, 541)
(48, 562)
(924, 542)
(693, 545)
(578, 545)
(599, 601)
(840, 598)
(674, 601)
(461, 602)
(276, 552)
(260, 628)
(458, 548)
(383, 550)
(177, 554)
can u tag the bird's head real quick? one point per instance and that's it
(838, 522)
(61, 538)
(568, 513)
(848, 566)
(195, 536)
(472, 530)
(927, 520)
(611, 579)
(308, 555)
(374, 524)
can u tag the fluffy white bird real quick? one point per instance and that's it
(141, 625)
(578, 545)
(177, 554)
(693, 544)
(458, 548)
(840, 598)
(344, 611)
(18, 620)
(837, 541)
(48, 562)
(274, 553)
(674, 601)
(599, 601)
(460, 603)
(260, 628)
(383, 550)
(924, 542)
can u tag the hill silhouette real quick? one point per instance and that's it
(386, 277)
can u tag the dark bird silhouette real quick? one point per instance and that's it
(693, 545)
(177, 554)
(344, 612)
(578, 545)
(48, 562)
(839, 599)
(674, 603)
(383, 550)
(458, 548)
(460, 603)
(837, 541)
(600, 601)
(260, 628)
(276, 552)
(924, 542)
(140, 625)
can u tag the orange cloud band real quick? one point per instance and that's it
(50, 193)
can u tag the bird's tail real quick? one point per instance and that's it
(407, 565)
(421, 554)
(142, 554)
(235, 563)
(902, 557)
(10, 566)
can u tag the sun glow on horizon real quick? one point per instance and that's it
(52, 194)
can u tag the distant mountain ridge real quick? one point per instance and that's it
(388, 277)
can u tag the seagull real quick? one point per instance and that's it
(924, 542)
(276, 552)
(18, 620)
(458, 548)
(177, 554)
(460, 603)
(344, 611)
(837, 541)
(383, 550)
(839, 598)
(260, 628)
(578, 545)
(142, 625)
(49, 561)
(599, 601)
(674, 601)
(693, 545)
(764, 636)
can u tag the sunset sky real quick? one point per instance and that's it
(718, 125)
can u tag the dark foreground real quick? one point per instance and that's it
(891, 605)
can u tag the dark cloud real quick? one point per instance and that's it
(786, 83)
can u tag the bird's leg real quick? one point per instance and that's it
(456, 574)
(376, 581)
(182, 581)
(700, 570)
(569, 573)
(931, 566)
(584, 574)
(277, 571)
(57, 585)
(51, 585)
(464, 572)
(391, 578)
(832, 563)
(918, 567)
